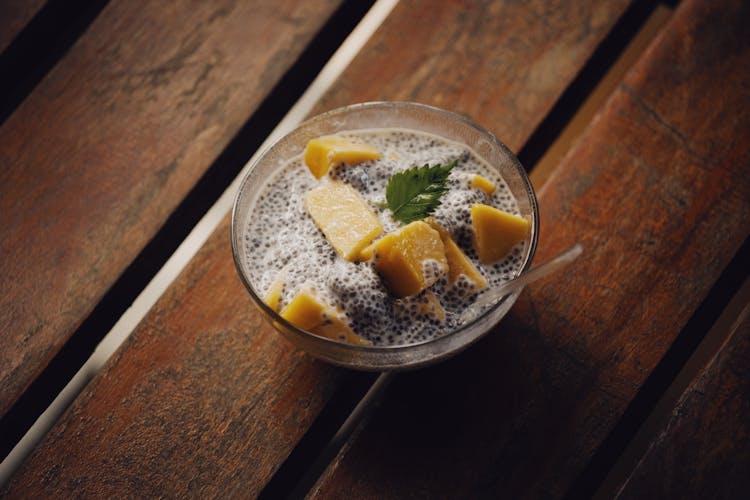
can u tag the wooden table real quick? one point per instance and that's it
(628, 377)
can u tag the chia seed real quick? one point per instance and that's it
(282, 237)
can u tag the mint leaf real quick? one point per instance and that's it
(415, 193)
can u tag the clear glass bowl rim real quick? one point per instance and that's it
(321, 344)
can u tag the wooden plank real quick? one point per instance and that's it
(229, 379)
(598, 97)
(704, 449)
(185, 407)
(14, 15)
(658, 194)
(110, 142)
(504, 65)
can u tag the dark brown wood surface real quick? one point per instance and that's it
(704, 450)
(202, 401)
(14, 15)
(204, 395)
(657, 192)
(108, 144)
(503, 64)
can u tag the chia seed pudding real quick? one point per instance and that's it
(281, 237)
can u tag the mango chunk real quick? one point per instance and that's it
(458, 262)
(336, 329)
(483, 183)
(401, 258)
(344, 217)
(431, 307)
(495, 232)
(367, 253)
(273, 294)
(322, 152)
(305, 311)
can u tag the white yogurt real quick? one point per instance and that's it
(281, 236)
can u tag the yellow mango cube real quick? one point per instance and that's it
(322, 152)
(400, 258)
(347, 222)
(305, 311)
(273, 294)
(458, 262)
(367, 253)
(483, 183)
(334, 328)
(496, 232)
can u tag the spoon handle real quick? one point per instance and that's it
(540, 271)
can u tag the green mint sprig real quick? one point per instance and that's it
(415, 193)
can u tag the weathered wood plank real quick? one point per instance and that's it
(501, 63)
(658, 193)
(704, 449)
(14, 15)
(196, 402)
(242, 395)
(108, 144)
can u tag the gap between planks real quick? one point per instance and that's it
(81, 343)
(193, 242)
(40, 45)
(552, 154)
(616, 477)
(348, 431)
(127, 323)
(710, 347)
(596, 99)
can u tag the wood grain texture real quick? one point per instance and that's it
(108, 144)
(126, 418)
(704, 450)
(197, 402)
(14, 15)
(657, 192)
(504, 64)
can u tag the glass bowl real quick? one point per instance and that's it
(384, 115)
